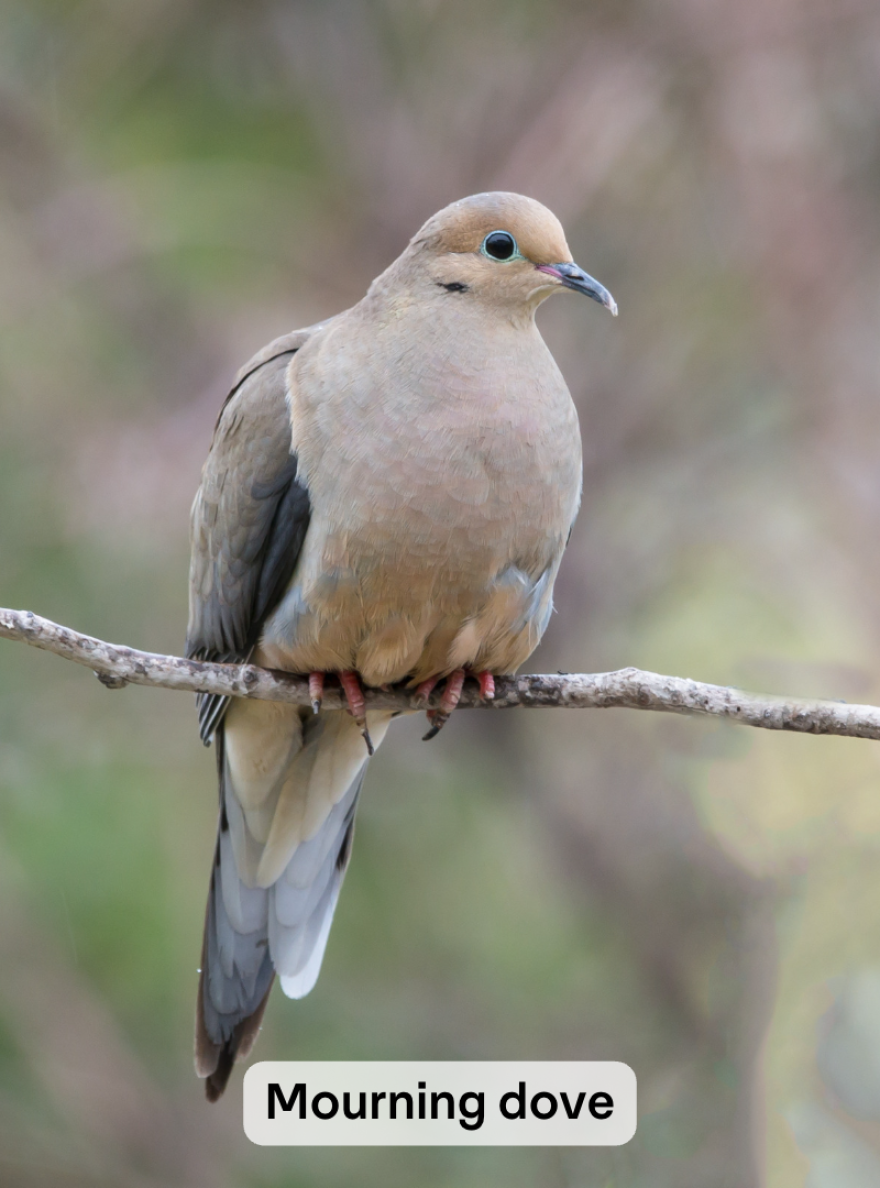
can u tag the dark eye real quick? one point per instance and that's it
(499, 245)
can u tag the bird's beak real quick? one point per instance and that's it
(575, 278)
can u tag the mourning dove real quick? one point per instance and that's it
(387, 498)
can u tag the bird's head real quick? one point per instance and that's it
(502, 249)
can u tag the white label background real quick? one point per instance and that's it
(491, 1078)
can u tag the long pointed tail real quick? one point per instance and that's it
(236, 972)
(283, 847)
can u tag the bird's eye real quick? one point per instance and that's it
(499, 245)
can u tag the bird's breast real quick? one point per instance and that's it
(436, 504)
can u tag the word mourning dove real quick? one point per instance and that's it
(387, 499)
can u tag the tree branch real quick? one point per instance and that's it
(631, 688)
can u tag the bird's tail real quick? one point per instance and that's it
(283, 846)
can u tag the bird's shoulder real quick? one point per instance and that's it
(255, 369)
(287, 343)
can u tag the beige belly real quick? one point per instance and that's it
(405, 614)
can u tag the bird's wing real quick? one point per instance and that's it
(249, 519)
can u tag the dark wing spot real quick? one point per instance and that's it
(345, 848)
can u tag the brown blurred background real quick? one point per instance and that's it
(182, 181)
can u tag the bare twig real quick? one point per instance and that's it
(630, 688)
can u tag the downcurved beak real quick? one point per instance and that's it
(575, 278)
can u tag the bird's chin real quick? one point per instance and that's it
(542, 291)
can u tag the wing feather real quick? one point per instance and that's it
(249, 519)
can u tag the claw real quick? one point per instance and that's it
(486, 682)
(450, 699)
(357, 707)
(316, 690)
(436, 726)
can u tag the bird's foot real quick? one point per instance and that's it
(451, 696)
(354, 696)
(316, 690)
(424, 690)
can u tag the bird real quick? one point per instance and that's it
(386, 500)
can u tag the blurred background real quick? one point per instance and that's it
(182, 181)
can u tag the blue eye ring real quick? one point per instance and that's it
(500, 246)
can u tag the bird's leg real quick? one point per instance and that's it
(450, 699)
(354, 696)
(316, 690)
(486, 681)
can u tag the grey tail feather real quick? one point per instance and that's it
(234, 984)
(236, 1047)
(224, 1037)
